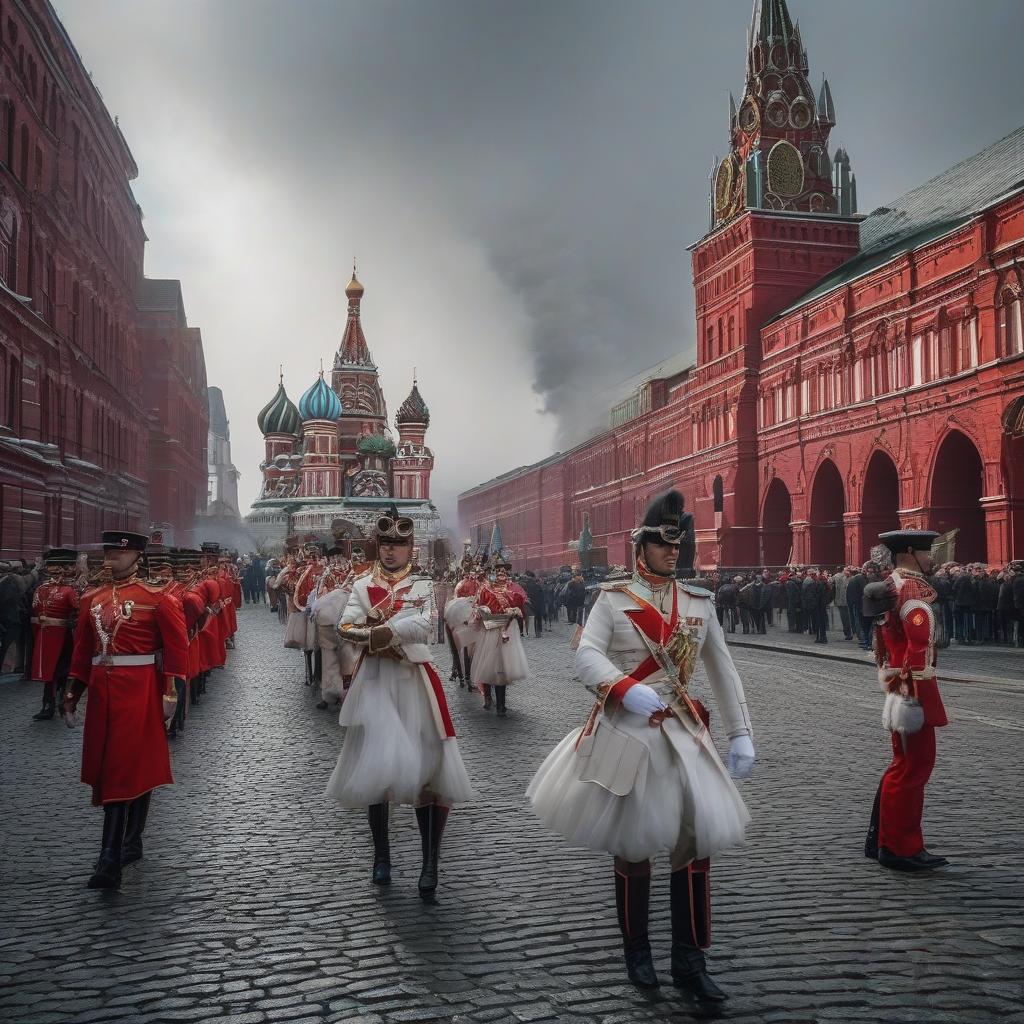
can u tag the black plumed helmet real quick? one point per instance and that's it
(665, 510)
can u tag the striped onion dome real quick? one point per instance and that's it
(279, 415)
(413, 409)
(320, 402)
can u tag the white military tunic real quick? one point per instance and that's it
(683, 799)
(395, 749)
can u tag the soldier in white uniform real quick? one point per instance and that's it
(643, 776)
(400, 744)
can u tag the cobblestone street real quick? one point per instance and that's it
(253, 902)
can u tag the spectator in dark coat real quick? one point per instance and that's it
(1004, 608)
(965, 597)
(11, 592)
(988, 598)
(575, 595)
(535, 598)
(1018, 599)
(854, 603)
(728, 594)
(794, 610)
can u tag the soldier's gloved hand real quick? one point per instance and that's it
(741, 757)
(643, 700)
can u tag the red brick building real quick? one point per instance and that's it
(77, 444)
(852, 374)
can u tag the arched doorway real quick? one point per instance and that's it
(956, 490)
(828, 504)
(881, 503)
(776, 533)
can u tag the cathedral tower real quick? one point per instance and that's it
(413, 461)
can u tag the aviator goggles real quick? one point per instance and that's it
(392, 528)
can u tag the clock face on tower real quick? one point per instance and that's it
(777, 113)
(749, 116)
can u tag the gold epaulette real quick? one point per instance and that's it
(615, 585)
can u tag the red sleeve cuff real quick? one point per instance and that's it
(618, 691)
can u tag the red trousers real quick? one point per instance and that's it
(902, 795)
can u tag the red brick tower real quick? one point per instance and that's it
(777, 227)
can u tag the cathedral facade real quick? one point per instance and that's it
(333, 456)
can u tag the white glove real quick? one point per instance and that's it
(643, 700)
(741, 757)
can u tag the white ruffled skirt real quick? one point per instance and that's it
(392, 749)
(683, 802)
(496, 662)
(459, 617)
(295, 631)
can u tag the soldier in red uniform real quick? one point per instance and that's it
(54, 607)
(212, 652)
(183, 566)
(130, 646)
(905, 652)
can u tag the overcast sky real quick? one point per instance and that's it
(519, 180)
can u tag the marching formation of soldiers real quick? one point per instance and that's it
(139, 629)
(142, 630)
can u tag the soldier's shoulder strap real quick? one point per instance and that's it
(614, 584)
(693, 591)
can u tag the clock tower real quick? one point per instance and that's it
(778, 225)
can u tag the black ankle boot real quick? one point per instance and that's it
(871, 840)
(499, 699)
(487, 697)
(378, 817)
(632, 900)
(138, 811)
(431, 820)
(691, 931)
(107, 873)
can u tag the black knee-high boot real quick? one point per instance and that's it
(871, 839)
(499, 699)
(49, 704)
(468, 660)
(138, 811)
(107, 874)
(632, 901)
(691, 931)
(378, 816)
(431, 820)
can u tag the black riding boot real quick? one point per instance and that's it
(871, 840)
(107, 873)
(691, 932)
(49, 704)
(632, 899)
(467, 660)
(378, 816)
(499, 698)
(487, 696)
(308, 656)
(431, 820)
(138, 810)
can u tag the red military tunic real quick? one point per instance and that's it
(194, 608)
(468, 586)
(211, 638)
(121, 627)
(54, 606)
(228, 605)
(908, 636)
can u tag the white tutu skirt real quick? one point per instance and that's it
(392, 749)
(496, 663)
(459, 617)
(295, 631)
(683, 802)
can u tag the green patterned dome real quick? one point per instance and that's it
(279, 415)
(376, 444)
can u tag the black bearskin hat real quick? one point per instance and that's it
(666, 511)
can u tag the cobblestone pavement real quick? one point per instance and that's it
(253, 901)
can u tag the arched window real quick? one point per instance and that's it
(1010, 340)
(732, 332)
(718, 494)
(23, 156)
(9, 246)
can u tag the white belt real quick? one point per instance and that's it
(124, 659)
